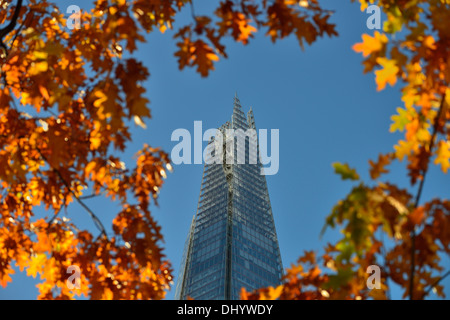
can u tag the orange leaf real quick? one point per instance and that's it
(371, 44)
(44, 92)
(417, 216)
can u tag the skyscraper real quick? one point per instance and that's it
(232, 242)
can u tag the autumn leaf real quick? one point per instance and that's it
(378, 168)
(388, 73)
(5, 277)
(400, 120)
(404, 148)
(345, 171)
(443, 155)
(371, 44)
(203, 57)
(36, 264)
(417, 216)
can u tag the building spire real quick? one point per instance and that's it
(238, 117)
(236, 99)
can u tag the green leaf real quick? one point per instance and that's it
(400, 120)
(346, 250)
(345, 171)
(340, 279)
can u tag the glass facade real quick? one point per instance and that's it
(232, 242)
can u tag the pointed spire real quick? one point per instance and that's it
(236, 99)
(238, 117)
(237, 103)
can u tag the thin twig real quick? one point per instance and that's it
(17, 33)
(193, 10)
(419, 193)
(54, 216)
(90, 196)
(435, 284)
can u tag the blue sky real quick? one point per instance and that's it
(326, 109)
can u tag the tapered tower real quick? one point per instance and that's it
(232, 242)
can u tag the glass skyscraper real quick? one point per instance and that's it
(232, 242)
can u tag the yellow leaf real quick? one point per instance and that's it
(36, 264)
(95, 140)
(40, 55)
(388, 74)
(423, 135)
(400, 120)
(410, 97)
(404, 148)
(443, 155)
(38, 67)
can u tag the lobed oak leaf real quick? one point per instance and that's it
(443, 155)
(203, 57)
(388, 73)
(377, 168)
(400, 120)
(5, 276)
(345, 171)
(371, 44)
(404, 148)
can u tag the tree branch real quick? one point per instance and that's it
(17, 33)
(193, 10)
(90, 196)
(419, 193)
(94, 217)
(10, 27)
(435, 284)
